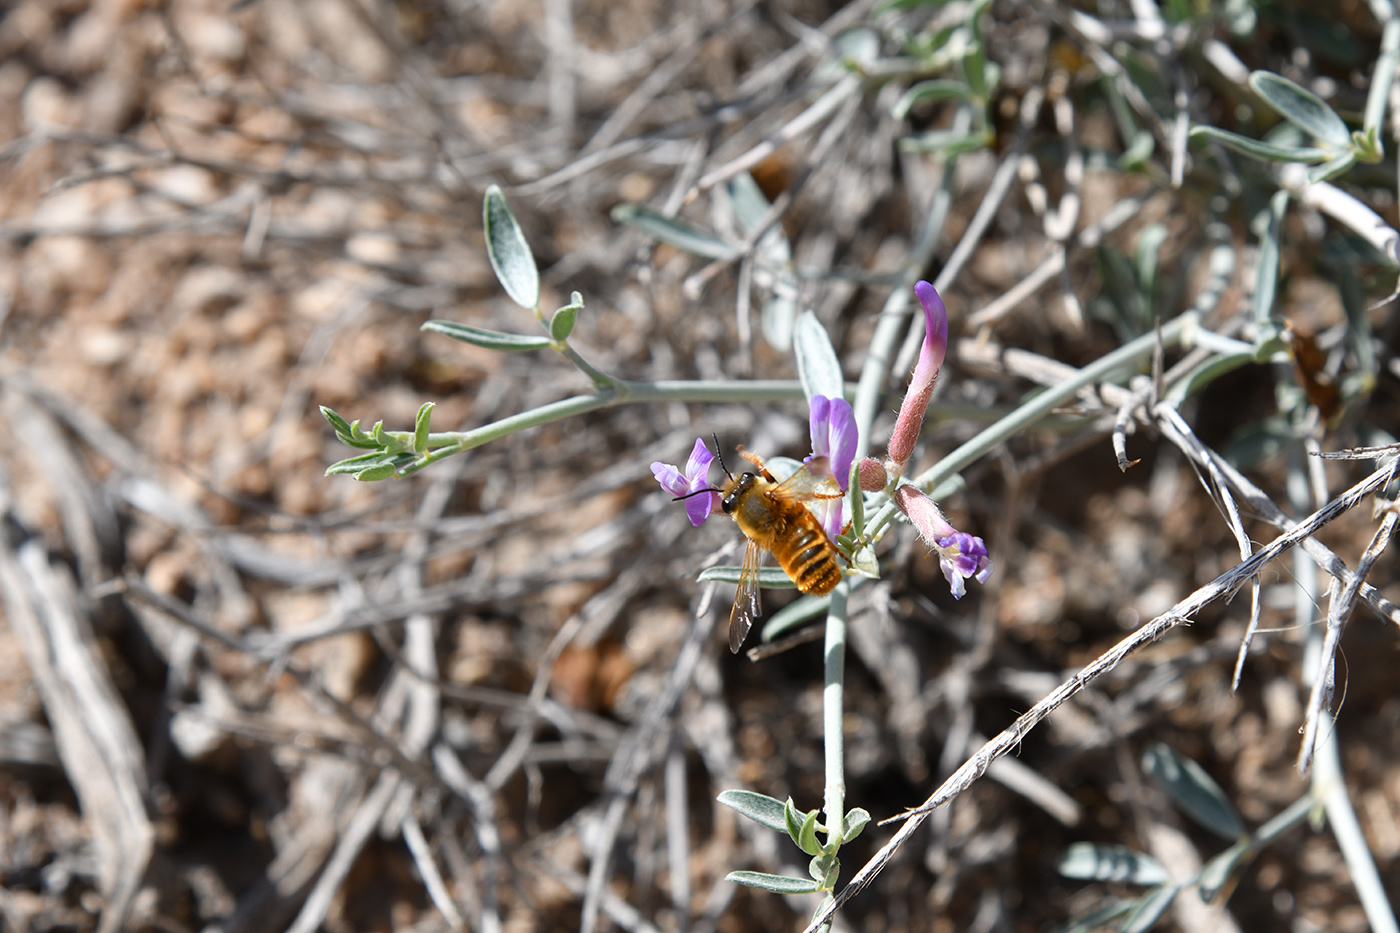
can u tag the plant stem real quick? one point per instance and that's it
(833, 714)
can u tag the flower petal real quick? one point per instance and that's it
(671, 479)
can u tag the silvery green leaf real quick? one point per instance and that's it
(1259, 150)
(1149, 908)
(420, 428)
(509, 251)
(770, 578)
(795, 614)
(807, 835)
(817, 365)
(1331, 168)
(778, 884)
(778, 317)
(1146, 256)
(1206, 373)
(1266, 272)
(1301, 107)
(1216, 873)
(821, 867)
(1192, 790)
(748, 201)
(854, 824)
(859, 46)
(683, 236)
(1382, 77)
(1089, 862)
(490, 339)
(760, 808)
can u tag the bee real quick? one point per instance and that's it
(774, 517)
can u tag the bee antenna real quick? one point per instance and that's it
(691, 495)
(720, 457)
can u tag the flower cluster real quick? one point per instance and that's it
(960, 555)
(833, 427)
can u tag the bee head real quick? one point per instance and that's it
(734, 490)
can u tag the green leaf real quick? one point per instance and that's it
(1139, 151)
(1192, 790)
(778, 884)
(770, 578)
(854, 824)
(377, 472)
(1260, 150)
(779, 318)
(677, 233)
(947, 143)
(1302, 108)
(792, 820)
(490, 339)
(825, 868)
(420, 428)
(1146, 259)
(938, 89)
(807, 835)
(817, 365)
(795, 614)
(509, 251)
(354, 465)
(1331, 168)
(349, 433)
(1216, 873)
(1149, 909)
(562, 324)
(1099, 918)
(1206, 373)
(747, 200)
(1266, 273)
(1382, 78)
(760, 808)
(1090, 862)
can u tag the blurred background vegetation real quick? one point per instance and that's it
(238, 695)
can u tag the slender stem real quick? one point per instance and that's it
(601, 380)
(833, 714)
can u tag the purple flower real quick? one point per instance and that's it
(833, 427)
(960, 555)
(935, 347)
(693, 480)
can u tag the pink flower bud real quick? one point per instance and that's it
(911, 412)
(873, 477)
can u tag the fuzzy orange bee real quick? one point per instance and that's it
(774, 517)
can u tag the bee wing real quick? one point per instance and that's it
(805, 485)
(746, 604)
